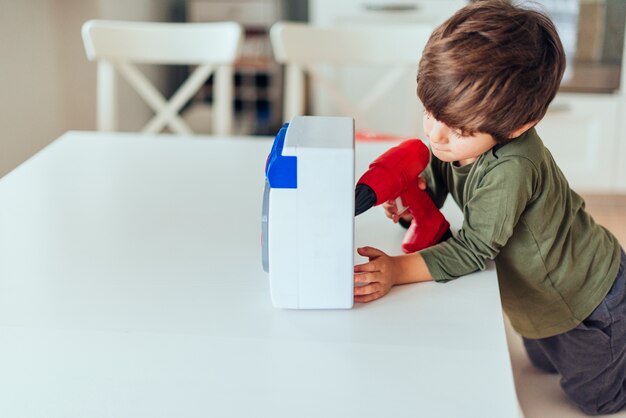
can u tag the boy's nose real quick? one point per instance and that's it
(439, 133)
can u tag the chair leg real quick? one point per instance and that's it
(294, 92)
(168, 113)
(223, 100)
(106, 97)
(153, 98)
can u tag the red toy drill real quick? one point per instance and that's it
(394, 174)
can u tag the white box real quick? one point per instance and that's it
(308, 214)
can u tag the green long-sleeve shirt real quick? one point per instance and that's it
(554, 263)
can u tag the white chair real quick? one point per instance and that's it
(313, 50)
(115, 45)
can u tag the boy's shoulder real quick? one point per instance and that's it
(527, 146)
(521, 162)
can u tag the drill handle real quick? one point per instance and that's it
(428, 226)
(420, 205)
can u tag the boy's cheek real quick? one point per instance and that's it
(445, 157)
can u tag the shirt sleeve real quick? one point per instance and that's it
(491, 213)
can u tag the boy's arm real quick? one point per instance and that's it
(412, 268)
(491, 213)
(375, 278)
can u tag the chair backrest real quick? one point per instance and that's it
(116, 45)
(313, 50)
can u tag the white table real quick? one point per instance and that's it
(131, 286)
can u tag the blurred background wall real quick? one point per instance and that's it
(47, 85)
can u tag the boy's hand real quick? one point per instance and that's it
(374, 278)
(391, 209)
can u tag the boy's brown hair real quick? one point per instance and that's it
(492, 67)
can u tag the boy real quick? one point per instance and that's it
(486, 78)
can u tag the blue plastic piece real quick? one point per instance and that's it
(281, 171)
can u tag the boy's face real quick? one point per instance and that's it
(450, 145)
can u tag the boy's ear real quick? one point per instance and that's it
(523, 129)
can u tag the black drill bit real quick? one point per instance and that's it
(364, 198)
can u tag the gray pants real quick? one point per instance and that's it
(591, 358)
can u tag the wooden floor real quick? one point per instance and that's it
(609, 211)
(539, 394)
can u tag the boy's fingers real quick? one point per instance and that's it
(365, 268)
(367, 289)
(365, 277)
(369, 252)
(368, 298)
(390, 206)
(421, 183)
